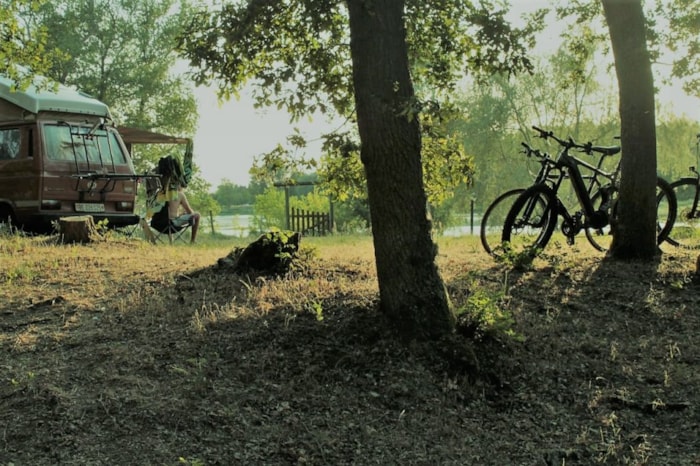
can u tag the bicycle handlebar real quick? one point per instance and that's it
(529, 151)
(543, 134)
(549, 134)
(588, 147)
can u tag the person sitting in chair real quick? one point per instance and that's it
(169, 220)
(190, 216)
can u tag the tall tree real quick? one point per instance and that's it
(638, 40)
(635, 233)
(296, 53)
(123, 53)
(411, 291)
(682, 38)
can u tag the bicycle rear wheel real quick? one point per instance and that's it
(493, 220)
(531, 220)
(666, 209)
(686, 230)
(601, 238)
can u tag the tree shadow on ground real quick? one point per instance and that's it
(220, 368)
(603, 341)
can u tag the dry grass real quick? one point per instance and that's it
(124, 353)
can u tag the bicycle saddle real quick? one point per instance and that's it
(611, 150)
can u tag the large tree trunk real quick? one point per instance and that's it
(411, 290)
(635, 229)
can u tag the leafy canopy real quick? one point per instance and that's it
(123, 53)
(23, 52)
(672, 32)
(296, 56)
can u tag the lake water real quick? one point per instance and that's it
(239, 226)
(230, 225)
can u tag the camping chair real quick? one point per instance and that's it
(172, 228)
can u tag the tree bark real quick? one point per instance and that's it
(411, 290)
(635, 228)
(79, 229)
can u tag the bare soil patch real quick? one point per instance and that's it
(125, 353)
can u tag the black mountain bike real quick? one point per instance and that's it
(685, 231)
(495, 215)
(533, 217)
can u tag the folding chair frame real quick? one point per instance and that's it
(173, 233)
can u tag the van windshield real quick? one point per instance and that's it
(83, 143)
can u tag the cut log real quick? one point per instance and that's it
(272, 253)
(79, 229)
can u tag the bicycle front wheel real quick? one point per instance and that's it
(493, 220)
(531, 220)
(686, 230)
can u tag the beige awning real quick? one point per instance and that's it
(142, 136)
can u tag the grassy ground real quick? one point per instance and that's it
(124, 353)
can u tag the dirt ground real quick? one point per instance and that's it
(123, 353)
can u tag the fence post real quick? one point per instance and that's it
(471, 220)
(211, 222)
(286, 207)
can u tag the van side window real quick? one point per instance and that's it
(10, 142)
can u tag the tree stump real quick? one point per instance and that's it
(272, 253)
(79, 229)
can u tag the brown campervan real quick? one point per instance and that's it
(60, 155)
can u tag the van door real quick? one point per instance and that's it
(19, 173)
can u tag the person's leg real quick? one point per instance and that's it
(195, 226)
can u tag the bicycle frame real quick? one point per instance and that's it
(584, 193)
(570, 166)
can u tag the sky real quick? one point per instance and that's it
(231, 134)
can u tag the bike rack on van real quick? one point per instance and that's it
(94, 171)
(110, 182)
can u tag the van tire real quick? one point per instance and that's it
(6, 214)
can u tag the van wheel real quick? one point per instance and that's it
(7, 215)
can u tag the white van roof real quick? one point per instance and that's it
(63, 100)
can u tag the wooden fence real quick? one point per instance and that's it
(310, 223)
